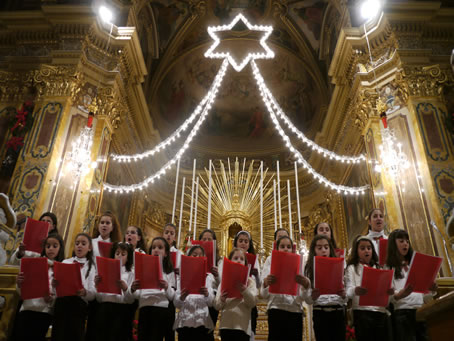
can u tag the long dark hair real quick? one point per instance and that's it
(213, 235)
(61, 252)
(333, 240)
(130, 253)
(394, 259)
(251, 243)
(309, 268)
(175, 228)
(353, 259)
(141, 242)
(369, 215)
(89, 256)
(166, 260)
(115, 235)
(195, 247)
(281, 239)
(53, 217)
(279, 230)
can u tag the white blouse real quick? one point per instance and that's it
(157, 297)
(87, 282)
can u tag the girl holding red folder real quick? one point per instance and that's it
(193, 321)
(279, 233)
(371, 322)
(285, 312)
(406, 302)
(328, 309)
(113, 322)
(70, 311)
(108, 231)
(35, 317)
(235, 324)
(154, 315)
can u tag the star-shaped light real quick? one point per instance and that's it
(212, 30)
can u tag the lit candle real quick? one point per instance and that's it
(195, 206)
(275, 209)
(279, 195)
(175, 194)
(297, 198)
(289, 209)
(192, 195)
(261, 204)
(209, 198)
(181, 212)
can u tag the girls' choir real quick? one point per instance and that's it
(196, 315)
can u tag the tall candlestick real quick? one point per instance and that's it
(289, 209)
(176, 190)
(192, 195)
(181, 213)
(275, 209)
(279, 195)
(209, 198)
(261, 204)
(297, 198)
(195, 206)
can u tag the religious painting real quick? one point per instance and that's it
(308, 16)
(356, 207)
(226, 10)
(238, 111)
(169, 14)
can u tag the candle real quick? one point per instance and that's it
(289, 209)
(297, 198)
(279, 195)
(275, 210)
(209, 198)
(181, 212)
(195, 206)
(175, 194)
(192, 195)
(261, 204)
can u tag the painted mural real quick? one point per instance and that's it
(239, 111)
(308, 16)
(225, 10)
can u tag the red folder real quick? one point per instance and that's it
(232, 273)
(36, 278)
(340, 253)
(69, 278)
(251, 258)
(328, 275)
(284, 266)
(377, 282)
(110, 271)
(210, 251)
(382, 251)
(104, 248)
(35, 233)
(148, 270)
(174, 259)
(423, 271)
(193, 273)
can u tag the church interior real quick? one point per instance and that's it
(333, 115)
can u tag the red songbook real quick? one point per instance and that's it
(285, 266)
(35, 233)
(69, 278)
(36, 278)
(193, 273)
(340, 253)
(148, 270)
(232, 273)
(251, 258)
(175, 258)
(423, 271)
(382, 251)
(328, 275)
(104, 249)
(377, 282)
(210, 251)
(110, 271)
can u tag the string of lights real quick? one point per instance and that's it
(264, 91)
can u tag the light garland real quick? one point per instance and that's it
(212, 30)
(211, 97)
(264, 91)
